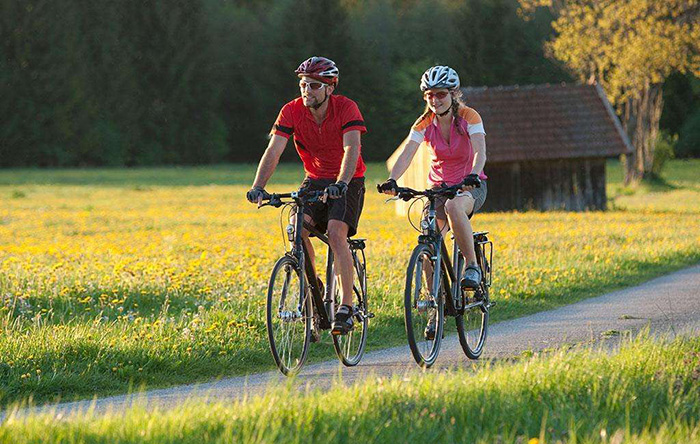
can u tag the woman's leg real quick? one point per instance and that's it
(457, 210)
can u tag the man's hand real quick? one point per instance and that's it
(389, 186)
(470, 182)
(337, 189)
(256, 195)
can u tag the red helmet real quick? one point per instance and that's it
(319, 68)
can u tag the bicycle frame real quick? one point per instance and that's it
(450, 267)
(323, 304)
(450, 270)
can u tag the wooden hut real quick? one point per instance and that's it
(546, 146)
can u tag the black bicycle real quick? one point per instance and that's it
(433, 286)
(298, 308)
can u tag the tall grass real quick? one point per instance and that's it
(646, 392)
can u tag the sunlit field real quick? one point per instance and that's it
(114, 279)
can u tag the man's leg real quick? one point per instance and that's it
(342, 258)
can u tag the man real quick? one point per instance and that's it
(327, 130)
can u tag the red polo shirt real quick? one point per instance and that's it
(321, 146)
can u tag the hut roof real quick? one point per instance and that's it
(539, 122)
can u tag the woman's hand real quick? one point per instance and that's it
(470, 182)
(389, 186)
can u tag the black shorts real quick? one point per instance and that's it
(347, 208)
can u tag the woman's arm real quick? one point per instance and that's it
(410, 147)
(479, 145)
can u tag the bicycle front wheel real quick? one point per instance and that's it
(351, 347)
(288, 316)
(423, 307)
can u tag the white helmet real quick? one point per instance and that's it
(439, 77)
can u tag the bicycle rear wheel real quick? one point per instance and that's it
(289, 316)
(472, 325)
(423, 304)
(351, 347)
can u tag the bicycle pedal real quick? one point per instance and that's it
(341, 333)
(369, 315)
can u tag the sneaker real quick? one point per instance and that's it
(342, 324)
(316, 328)
(430, 329)
(319, 283)
(472, 278)
(429, 332)
(316, 321)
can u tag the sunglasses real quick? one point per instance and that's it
(439, 94)
(311, 85)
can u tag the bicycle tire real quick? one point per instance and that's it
(351, 347)
(473, 323)
(288, 328)
(422, 303)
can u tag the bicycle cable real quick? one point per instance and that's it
(286, 208)
(410, 207)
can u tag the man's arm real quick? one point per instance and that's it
(269, 160)
(351, 145)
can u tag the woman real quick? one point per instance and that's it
(454, 134)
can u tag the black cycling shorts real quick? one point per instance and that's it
(347, 208)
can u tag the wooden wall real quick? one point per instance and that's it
(563, 184)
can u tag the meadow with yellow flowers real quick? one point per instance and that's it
(119, 279)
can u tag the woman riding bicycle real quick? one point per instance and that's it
(454, 134)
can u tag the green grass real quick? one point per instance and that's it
(678, 189)
(645, 393)
(111, 279)
(231, 174)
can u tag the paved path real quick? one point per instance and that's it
(667, 304)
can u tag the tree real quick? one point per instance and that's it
(630, 47)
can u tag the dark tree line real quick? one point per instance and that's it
(143, 82)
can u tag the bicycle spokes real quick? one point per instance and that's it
(289, 324)
(423, 308)
(472, 326)
(350, 347)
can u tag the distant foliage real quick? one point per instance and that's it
(630, 47)
(161, 82)
(107, 83)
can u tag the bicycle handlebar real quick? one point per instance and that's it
(407, 194)
(301, 196)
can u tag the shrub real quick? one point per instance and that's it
(663, 151)
(689, 137)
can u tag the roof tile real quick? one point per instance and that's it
(547, 122)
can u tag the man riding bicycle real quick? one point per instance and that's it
(327, 130)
